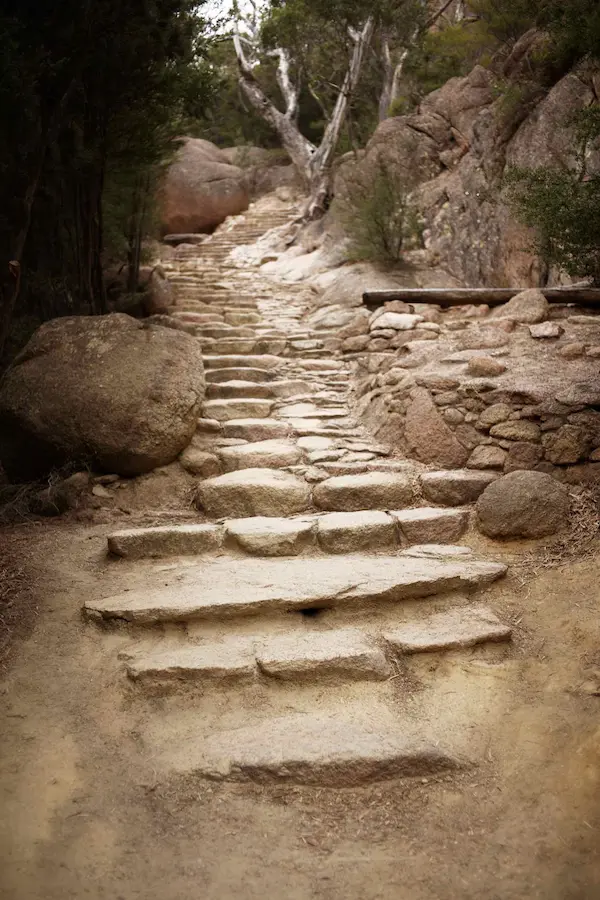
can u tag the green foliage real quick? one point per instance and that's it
(447, 53)
(374, 210)
(565, 213)
(92, 95)
(563, 205)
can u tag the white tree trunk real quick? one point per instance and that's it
(313, 163)
(299, 148)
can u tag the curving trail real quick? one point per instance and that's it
(310, 691)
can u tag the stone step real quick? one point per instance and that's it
(216, 332)
(241, 361)
(310, 749)
(245, 373)
(299, 655)
(455, 488)
(276, 536)
(253, 430)
(270, 454)
(373, 490)
(238, 389)
(253, 492)
(344, 653)
(453, 630)
(242, 346)
(225, 587)
(240, 408)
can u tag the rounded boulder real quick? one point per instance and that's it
(109, 391)
(523, 505)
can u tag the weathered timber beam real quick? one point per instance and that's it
(479, 296)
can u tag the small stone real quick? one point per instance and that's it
(572, 351)
(527, 307)
(355, 344)
(453, 416)
(198, 462)
(523, 504)
(437, 382)
(568, 445)
(397, 321)
(208, 425)
(595, 455)
(485, 367)
(99, 491)
(593, 352)
(493, 415)
(516, 431)
(546, 330)
(487, 457)
(455, 488)
(447, 398)
(522, 456)
(583, 393)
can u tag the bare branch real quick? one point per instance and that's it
(289, 91)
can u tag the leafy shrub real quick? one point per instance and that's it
(563, 205)
(375, 212)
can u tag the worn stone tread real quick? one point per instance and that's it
(344, 652)
(253, 492)
(272, 536)
(456, 629)
(373, 490)
(431, 524)
(165, 540)
(311, 749)
(240, 587)
(230, 659)
(272, 454)
(348, 532)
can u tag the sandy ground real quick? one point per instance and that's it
(85, 814)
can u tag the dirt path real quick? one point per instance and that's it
(282, 683)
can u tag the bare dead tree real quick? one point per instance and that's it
(313, 162)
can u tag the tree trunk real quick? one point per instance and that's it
(313, 164)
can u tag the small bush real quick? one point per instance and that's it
(563, 205)
(375, 212)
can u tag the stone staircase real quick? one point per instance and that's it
(279, 638)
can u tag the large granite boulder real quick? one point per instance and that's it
(109, 391)
(201, 188)
(523, 505)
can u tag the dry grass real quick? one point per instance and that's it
(580, 541)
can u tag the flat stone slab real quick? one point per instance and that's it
(165, 540)
(260, 454)
(431, 525)
(271, 536)
(233, 659)
(453, 630)
(313, 750)
(455, 488)
(225, 410)
(253, 492)
(344, 652)
(238, 361)
(285, 388)
(259, 376)
(233, 390)
(254, 430)
(240, 587)
(352, 532)
(371, 490)
(310, 411)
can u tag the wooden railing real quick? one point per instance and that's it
(583, 296)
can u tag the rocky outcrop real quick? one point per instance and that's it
(454, 151)
(201, 189)
(108, 391)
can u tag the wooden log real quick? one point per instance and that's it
(446, 297)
